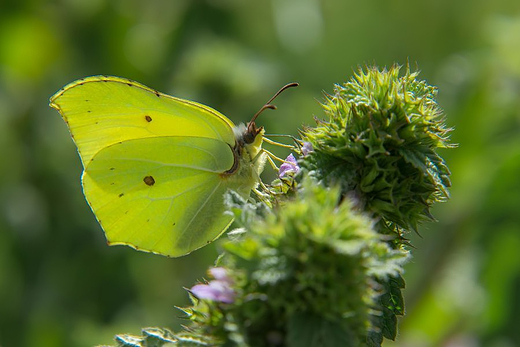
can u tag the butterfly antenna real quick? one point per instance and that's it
(287, 86)
(265, 107)
(268, 104)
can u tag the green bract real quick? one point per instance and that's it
(380, 143)
(305, 275)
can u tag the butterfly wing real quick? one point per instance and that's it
(102, 110)
(162, 194)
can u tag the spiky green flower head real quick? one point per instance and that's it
(380, 144)
(309, 273)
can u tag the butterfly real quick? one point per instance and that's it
(156, 167)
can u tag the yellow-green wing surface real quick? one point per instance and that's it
(103, 110)
(162, 194)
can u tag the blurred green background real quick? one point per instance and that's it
(61, 285)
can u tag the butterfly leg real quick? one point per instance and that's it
(279, 144)
(262, 195)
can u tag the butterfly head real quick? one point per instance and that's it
(250, 137)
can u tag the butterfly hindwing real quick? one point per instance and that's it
(162, 194)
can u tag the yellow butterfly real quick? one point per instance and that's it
(156, 167)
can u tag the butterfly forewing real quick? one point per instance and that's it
(101, 111)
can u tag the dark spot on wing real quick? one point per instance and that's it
(149, 180)
(120, 195)
(157, 93)
(112, 168)
(88, 111)
(174, 224)
(129, 84)
(148, 118)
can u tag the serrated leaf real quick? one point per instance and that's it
(190, 341)
(415, 158)
(389, 324)
(126, 340)
(391, 304)
(156, 337)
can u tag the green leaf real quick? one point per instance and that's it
(155, 337)
(391, 304)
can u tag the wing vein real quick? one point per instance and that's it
(198, 211)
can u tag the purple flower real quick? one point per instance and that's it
(306, 148)
(220, 274)
(218, 289)
(290, 165)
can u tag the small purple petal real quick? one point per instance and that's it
(225, 293)
(306, 148)
(215, 291)
(220, 274)
(290, 165)
(204, 291)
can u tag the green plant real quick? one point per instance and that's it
(323, 266)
